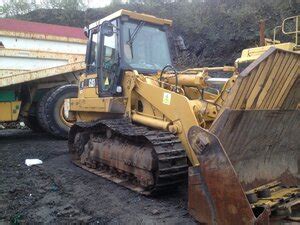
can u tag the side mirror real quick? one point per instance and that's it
(86, 31)
(107, 28)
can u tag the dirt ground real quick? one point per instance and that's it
(59, 192)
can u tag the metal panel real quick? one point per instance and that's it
(266, 83)
(263, 145)
(21, 63)
(215, 193)
(9, 111)
(14, 61)
(41, 29)
(42, 45)
(39, 74)
(7, 95)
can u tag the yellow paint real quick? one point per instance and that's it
(39, 74)
(159, 103)
(251, 54)
(108, 104)
(161, 106)
(167, 98)
(70, 57)
(9, 111)
(135, 16)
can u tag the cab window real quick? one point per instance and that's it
(93, 46)
(109, 62)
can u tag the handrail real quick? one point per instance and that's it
(297, 27)
(275, 30)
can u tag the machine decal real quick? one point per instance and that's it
(167, 98)
(106, 81)
(92, 82)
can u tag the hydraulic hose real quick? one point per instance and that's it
(175, 72)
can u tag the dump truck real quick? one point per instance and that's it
(147, 126)
(40, 66)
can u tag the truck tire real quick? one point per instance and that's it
(53, 110)
(32, 123)
(41, 117)
(31, 120)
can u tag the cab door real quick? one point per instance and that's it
(88, 83)
(108, 68)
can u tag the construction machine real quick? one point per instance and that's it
(289, 29)
(146, 126)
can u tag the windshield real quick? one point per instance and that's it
(148, 50)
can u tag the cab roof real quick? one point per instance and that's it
(132, 15)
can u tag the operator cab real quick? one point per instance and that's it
(125, 41)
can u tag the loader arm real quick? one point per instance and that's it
(179, 112)
(183, 117)
(215, 203)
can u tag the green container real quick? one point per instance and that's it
(7, 96)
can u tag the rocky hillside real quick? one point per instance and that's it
(215, 31)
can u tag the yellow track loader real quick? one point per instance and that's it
(146, 126)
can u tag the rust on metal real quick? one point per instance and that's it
(123, 155)
(215, 193)
(262, 145)
(262, 29)
(277, 196)
(136, 157)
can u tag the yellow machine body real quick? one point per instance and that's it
(251, 54)
(9, 111)
(239, 134)
(160, 104)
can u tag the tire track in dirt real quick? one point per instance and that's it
(59, 192)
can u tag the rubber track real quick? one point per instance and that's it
(172, 160)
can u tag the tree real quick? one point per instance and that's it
(64, 4)
(16, 7)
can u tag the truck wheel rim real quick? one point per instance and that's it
(67, 122)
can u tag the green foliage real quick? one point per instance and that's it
(64, 4)
(15, 7)
(15, 220)
(215, 31)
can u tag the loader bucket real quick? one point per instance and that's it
(259, 125)
(215, 193)
(262, 145)
(253, 143)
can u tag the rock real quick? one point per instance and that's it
(155, 212)
(85, 219)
